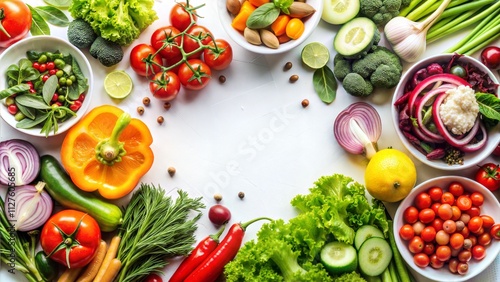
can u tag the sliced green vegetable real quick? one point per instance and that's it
(374, 256)
(339, 257)
(364, 233)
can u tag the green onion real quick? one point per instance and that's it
(405, 11)
(419, 10)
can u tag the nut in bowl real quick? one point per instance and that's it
(278, 33)
(46, 85)
(454, 252)
(437, 111)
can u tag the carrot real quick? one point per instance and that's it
(258, 3)
(283, 39)
(112, 271)
(70, 275)
(110, 255)
(240, 20)
(279, 25)
(91, 270)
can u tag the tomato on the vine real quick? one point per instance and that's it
(194, 74)
(139, 57)
(219, 56)
(167, 42)
(180, 17)
(15, 20)
(71, 238)
(195, 35)
(489, 176)
(165, 86)
(495, 231)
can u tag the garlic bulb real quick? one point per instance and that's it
(407, 37)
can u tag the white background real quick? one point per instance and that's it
(250, 134)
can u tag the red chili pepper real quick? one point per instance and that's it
(203, 250)
(213, 266)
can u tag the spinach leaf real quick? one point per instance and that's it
(14, 90)
(38, 26)
(27, 112)
(49, 88)
(263, 16)
(32, 101)
(80, 79)
(29, 123)
(325, 84)
(52, 15)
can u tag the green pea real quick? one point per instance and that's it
(61, 98)
(42, 59)
(59, 63)
(61, 90)
(59, 73)
(72, 77)
(62, 81)
(19, 116)
(69, 82)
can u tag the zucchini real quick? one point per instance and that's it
(355, 38)
(65, 192)
(47, 268)
(365, 232)
(374, 256)
(339, 257)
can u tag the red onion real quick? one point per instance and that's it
(28, 207)
(19, 162)
(419, 109)
(471, 147)
(357, 129)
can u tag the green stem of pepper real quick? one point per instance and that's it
(111, 150)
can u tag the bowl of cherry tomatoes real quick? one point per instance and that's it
(448, 228)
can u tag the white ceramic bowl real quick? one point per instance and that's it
(15, 52)
(310, 24)
(470, 159)
(490, 207)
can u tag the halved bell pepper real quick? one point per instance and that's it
(107, 151)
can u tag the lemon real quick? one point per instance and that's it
(118, 84)
(315, 55)
(390, 175)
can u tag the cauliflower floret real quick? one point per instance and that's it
(459, 110)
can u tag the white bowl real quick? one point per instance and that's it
(490, 207)
(15, 52)
(470, 159)
(310, 24)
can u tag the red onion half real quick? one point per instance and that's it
(28, 207)
(19, 162)
(357, 129)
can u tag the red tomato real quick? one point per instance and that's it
(426, 215)
(435, 193)
(447, 198)
(443, 253)
(457, 213)
(429, 248)
(456, 189)
(449, 226)
(421, 260)
(477, 199)
(462, 268)
(423, 201)
(435, 262)
(453, 265)
(457, 241)
(219, 214)
(416, 245)
(488, 221)
(495, 231)
(143, 62)
(445, 211)
(167, 42)
(76, 233)
(484, 239)
(437, 223)
(490, 57)
(475, 224)
(181, 16)
(165, 86)
(219, 55)
(435, 207)
(478, 252)
(428, 234)
(464, 203)
(153, 278)
(15, 20)
(195, 35)
(406, 232)
(464, 255)
(489, 176)
(410, 214)
(194, 74)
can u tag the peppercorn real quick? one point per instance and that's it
(171, 171)
(140, 110)
(241, 195)
(167, 105)
(305, 103)
(287, 66)
(222, 79)
(146, 101)
(160, 119)
(294, 78)
(218, 197)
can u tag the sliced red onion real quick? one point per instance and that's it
(419, 109)
(28, 207)
(19, 162)
(357, 129)
(472, 147)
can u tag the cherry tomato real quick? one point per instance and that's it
(435, 207)
(406, 232)
(449, 226)
(445, 211)
(456, 189)
(475, 224)
(437, 223)
(219, 55)
(477, 199)
(153, 278)
(456, 213)
(194, 74)
(442, 238)
(467, 243)
(428, 234)
(464, 203)
(490, 57)
(489, 176)
(435, 193)
(478, 252)
(12, 109)
(418, 227)
(443, 253)
(462, 268)
(410, 214)
(473, 211)
(484, 239)
(465, 217)
(434, 262)
(416, 245)
(167, 42)
(423, 201)
(180, 18)
(495, 231)
(452, 265)
(488, 221)
(447, 198)
(429, 248)
(457, 241)
(16, 22)
(138, 57)
(421, 260)
(194, 35)
(464, 255)
(219, 214)
(426, 215)
(74, 234)
(165, 86)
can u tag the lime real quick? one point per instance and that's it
(315, 55)
(118, 84)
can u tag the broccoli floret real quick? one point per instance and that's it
(341, 67)
(381, 11)
(350, 277)
(356, 85)
(108, 53)
(81, 34)
(385, 77)
(369, 64)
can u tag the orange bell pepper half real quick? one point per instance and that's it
(107, 151)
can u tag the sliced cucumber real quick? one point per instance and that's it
(339, 11)
(374, 256)
(365, 232)
(339, 257)
(355, 37)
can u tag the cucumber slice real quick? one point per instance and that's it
(355, 37)
(374, 256)
(365, 232)
(339, 257)
(339, 11)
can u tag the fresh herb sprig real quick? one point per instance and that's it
(155, 227)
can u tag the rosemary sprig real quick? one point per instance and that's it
(155, 227)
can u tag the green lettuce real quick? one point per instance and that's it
(120, 21)
(288, 251)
